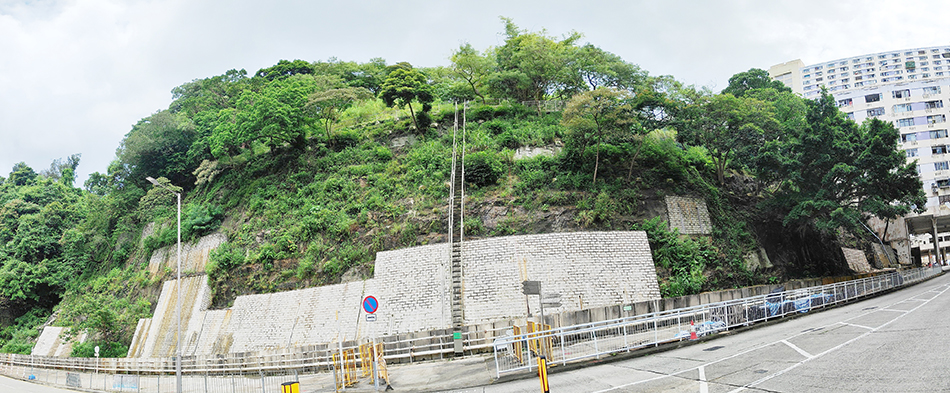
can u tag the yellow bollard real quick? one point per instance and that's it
(543, 374)
(290, 387)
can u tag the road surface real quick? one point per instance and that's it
(891, 343)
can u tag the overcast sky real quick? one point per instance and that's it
(75, 75)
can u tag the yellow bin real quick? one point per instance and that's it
(290, 387)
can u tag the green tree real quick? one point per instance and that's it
(727, 126)
(212, 93)
(328, 104)
(274, 116)
(404, 85)
(21, 174)
(755, 78)
(838, 174)
(599, 68)
(472, 67)
(596, 117)
(64, 171)
(533, 65)
(284, 69)
(158, 145)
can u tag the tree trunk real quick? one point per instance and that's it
(413, 115)
(634, 160)
(596, 162)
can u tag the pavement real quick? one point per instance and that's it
(428, 376)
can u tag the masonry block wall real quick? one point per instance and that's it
(588, 269)
(689, 215)
(857, 259)
(194, 257)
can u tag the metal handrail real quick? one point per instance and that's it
(597, 339)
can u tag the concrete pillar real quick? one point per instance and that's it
(936, 241)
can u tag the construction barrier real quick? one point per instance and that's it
(347, 367)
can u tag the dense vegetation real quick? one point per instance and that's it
(310, 168)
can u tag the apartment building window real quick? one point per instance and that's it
(905, 122)
(938, 149)
(911, 152)
(933, 104)
(932, 90)
(875, 112)
(943, 183)
(872, 97)
(845, 102)
(944, 198)
(850, 116)
(937, 134)
(900, 108)
(945, 55)
(936, 119)
(909, 137)
(941, 166)
(900, 93)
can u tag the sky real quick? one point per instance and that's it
(75, 75)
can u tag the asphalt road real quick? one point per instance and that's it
(892, 343)
(11, 385)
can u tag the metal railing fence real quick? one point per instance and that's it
(514, 352)
(314, 366)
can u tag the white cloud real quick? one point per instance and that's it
(75, 75)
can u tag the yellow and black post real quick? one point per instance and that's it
(543, 374)
(290, 387)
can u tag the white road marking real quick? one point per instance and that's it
(703, 385)
(870, 330)
(797, 349)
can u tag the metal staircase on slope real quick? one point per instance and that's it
(456, 193)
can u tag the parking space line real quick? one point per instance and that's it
(797, 349)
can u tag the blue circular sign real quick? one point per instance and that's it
(370, 304)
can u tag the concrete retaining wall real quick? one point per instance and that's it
(412, 286)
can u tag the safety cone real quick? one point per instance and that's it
(692, 330)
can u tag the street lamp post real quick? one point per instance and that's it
(178, 305)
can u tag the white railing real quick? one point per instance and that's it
(253, 372)
(594, 340)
